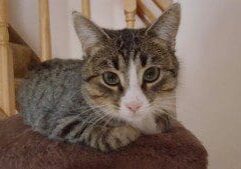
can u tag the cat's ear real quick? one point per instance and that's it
(89, 33)
(166, 26)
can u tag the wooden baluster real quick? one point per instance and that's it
(86, 8)
(143, 9)
(143, 17)
(130, 12)
(163, 4)
(45, 34)
(7, 95)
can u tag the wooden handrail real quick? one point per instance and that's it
(7, 95)
(163, 4)
(86, 8)
(130, 12)
(45, 34)
(143, 9)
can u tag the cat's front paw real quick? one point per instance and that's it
(120, 137)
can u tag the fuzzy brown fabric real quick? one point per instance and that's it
(21, 148)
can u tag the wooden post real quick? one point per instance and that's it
(86, 8)
(143, 9)
(143, 17)
(130, 12)
(45, 34)
(163, 4)
(7, 96)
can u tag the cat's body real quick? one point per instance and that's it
(50, 92)
(125, 86)
(53, 105)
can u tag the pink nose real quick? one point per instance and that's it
(133, 106)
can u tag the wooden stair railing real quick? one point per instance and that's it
(146, 14)
(45, 34)
(7, 93)
(142, 7)
(163, 4)
(131, 8)
(85, 6)
(7, 89)
(130, 12)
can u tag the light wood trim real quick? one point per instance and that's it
(163, 4)
(130, 12)
(45, 34)
(143, 17)
(7, 95)
(143, 9)
(85, 5)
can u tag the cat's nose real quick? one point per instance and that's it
(134, 106)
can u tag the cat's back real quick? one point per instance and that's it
(53, 72)
(48, 89)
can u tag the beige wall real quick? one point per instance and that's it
(209, 102)
(208, 47)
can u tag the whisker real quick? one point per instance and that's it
(97, 121)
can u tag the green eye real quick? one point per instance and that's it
(111, 78)
(151, 74)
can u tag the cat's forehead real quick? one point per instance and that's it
(130, 45)
(127, 40)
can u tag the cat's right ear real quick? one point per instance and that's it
(89, 33)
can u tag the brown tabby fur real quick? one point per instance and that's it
(68, 100)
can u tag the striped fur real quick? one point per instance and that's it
(68, 100)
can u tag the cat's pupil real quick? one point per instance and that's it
(111, 78)
(151, 74)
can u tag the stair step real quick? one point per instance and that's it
(2, 114)
(23, 58)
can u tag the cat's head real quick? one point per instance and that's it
(130, 74)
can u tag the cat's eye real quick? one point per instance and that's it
(151, 74)
(111, 78)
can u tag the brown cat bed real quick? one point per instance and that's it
(21, 148)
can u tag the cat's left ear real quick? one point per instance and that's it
(166, 26)
(89, 33)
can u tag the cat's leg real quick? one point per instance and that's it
(164, 122)
(102, 137)
(110, 138)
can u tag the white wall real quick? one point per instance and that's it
(209, 98)
(208, 47)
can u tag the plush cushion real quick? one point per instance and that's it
(22, 148)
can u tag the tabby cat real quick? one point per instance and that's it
(124, 86)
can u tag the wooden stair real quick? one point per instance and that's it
(2, 114)
(16, 55)
(23, 58)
